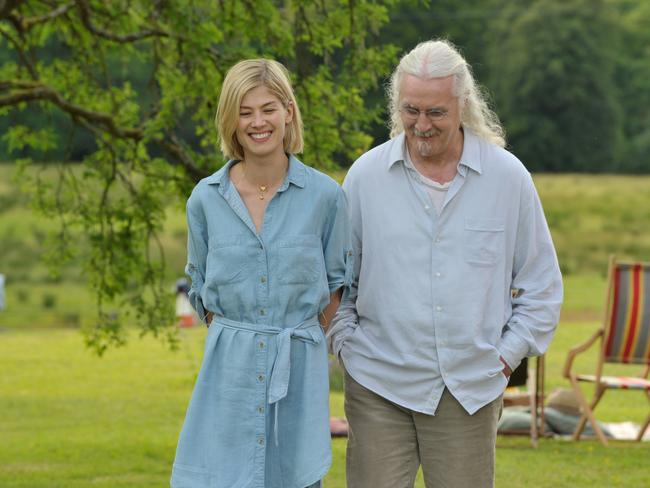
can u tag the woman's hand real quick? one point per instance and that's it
(326, 316)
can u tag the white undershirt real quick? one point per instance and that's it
(436, 191)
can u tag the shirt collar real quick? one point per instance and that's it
(471, 155)
(296, 174)
(396, 153)
(469, 158)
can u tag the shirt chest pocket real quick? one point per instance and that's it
(229, 260)
(300, 260)
(483, 241)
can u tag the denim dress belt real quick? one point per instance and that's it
(308, 331)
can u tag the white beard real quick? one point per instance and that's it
(424, 148)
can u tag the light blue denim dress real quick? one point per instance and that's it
(259, 414)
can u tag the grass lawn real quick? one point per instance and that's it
(70, 419)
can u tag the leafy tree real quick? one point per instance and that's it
(552, 68)
(142, 78)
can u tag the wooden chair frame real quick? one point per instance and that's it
(600, 385)
(535, 399)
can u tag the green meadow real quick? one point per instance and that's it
(71, 419)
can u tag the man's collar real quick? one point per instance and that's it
(397, 150)
(469, 158)
(471, 155)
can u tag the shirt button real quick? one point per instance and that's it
(438, 274)
(262, 312)
(260, 378)
(260, 441)
(260, 409)
(437, 240)
(426, 207)
(263, 279)
(438, 308)
(261, 345)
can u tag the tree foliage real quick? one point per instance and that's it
(552, 65)
(142, 79)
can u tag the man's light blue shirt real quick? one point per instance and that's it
(437, 299)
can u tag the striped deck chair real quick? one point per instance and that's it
(624, 339)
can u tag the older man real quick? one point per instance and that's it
(456, 281)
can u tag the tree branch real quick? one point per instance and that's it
(7, 84)
(22, 55)
(174, 147)
(34, 91)
(85, 14)
(29, 92)
(29, 22)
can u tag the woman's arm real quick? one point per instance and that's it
(328, 312)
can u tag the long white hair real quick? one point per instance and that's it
(438, 59)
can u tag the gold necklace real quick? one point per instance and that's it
(261, 189)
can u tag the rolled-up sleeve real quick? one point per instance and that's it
(336, 245)
(197, 252)
(538, 284)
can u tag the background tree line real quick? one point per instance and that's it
(128, 88)
(569, 79)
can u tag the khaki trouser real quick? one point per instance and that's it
(387, 443)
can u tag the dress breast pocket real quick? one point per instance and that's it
(228, 260)
(300, 260)
(483, 241)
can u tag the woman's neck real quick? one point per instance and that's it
(265, 171)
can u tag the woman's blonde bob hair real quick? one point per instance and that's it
(240, 79)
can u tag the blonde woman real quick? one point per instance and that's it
(268, 255)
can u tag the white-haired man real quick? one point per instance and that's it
(456, 281)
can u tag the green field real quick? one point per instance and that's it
(71, 419)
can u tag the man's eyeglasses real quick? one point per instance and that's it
(412, 113)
